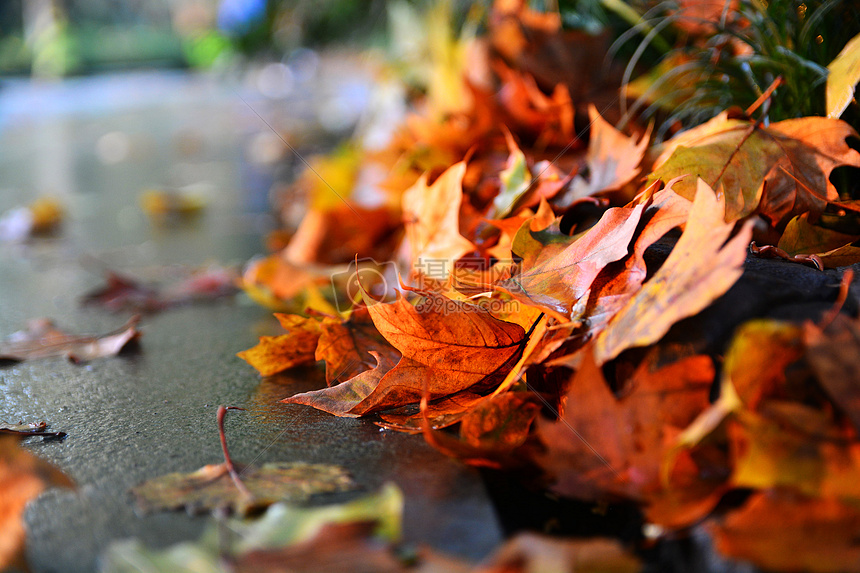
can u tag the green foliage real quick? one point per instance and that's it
(732, 61)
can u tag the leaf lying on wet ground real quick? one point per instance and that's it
(31, 429)
(239, 489)
(274, 354)
(124, 293)
(43, 340)
(22, 478)
(447, 346)
(211, 487)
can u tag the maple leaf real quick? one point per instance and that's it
(275, 354)
(341, 232)
(701, 267)
(447, 346)
(211, 487)
(612, 159)
(831, 248)
(556, 284)
(802, 237)
(331, 537)
(603, 446)
(43, 340)
(346, 345)
(502, 420)
(22, 478)
(779, 171)
(240, 489)
(431, 215)
(548, 119)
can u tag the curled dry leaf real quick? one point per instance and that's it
(43, 340)
(447, 346)
(613, 287)
(22, 478)
(802, 237)
(702, 266)
(126, 293)
(39, 429)
(558, 283)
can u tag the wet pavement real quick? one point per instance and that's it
(95, 144)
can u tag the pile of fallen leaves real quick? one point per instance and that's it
(507, 287)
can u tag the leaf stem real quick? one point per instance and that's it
(228, 462)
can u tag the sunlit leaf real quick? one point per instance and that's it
(275, 354)
(702, 266)
(843, 77)
(556, 284)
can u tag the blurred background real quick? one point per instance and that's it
(63, 37)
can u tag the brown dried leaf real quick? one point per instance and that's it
(613, 159)
(43, 340)
(346, 345)
(780, 171)
(613, 288)
(447, 346)
(431, 215)
(603, 446)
